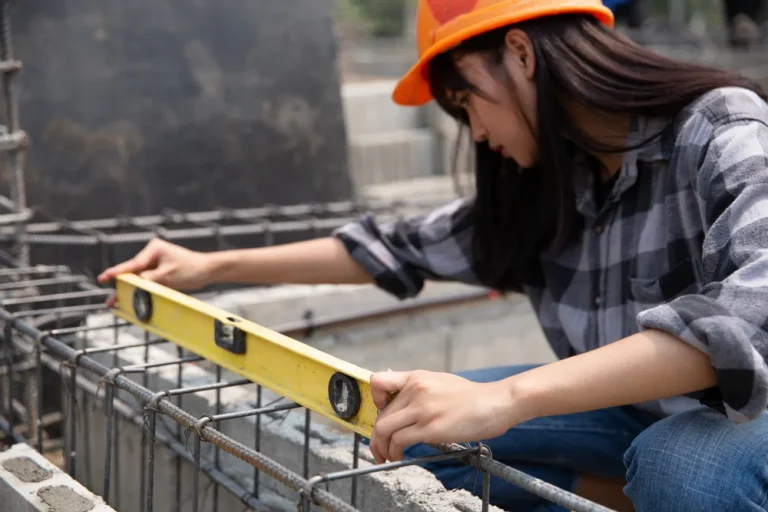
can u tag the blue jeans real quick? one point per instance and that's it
(694, 461)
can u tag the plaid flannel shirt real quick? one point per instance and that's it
(680, 244)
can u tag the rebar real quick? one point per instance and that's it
(14, 140)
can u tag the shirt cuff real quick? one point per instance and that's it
(730, 341)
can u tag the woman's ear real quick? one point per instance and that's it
(519, 52)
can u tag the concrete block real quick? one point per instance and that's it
(30, 483)
(392, 156)
(369, 109)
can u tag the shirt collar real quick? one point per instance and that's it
(640, 129)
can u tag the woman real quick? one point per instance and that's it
(627, 195)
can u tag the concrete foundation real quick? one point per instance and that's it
(30, 483)
(450, 339)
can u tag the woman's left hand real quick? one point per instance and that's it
(434, 407)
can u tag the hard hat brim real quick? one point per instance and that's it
(413, 88)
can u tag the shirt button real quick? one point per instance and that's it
(598, 301)
(599, 229)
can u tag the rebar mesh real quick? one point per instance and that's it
(45, 337)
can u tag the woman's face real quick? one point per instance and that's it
(503, 110)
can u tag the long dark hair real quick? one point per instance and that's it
(518, 216)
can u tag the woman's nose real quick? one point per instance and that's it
(479, 133)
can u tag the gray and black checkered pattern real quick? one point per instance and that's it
(680, 245)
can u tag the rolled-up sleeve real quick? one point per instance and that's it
(401, 255)
(728, 317)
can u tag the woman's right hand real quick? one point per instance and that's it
(165, 263)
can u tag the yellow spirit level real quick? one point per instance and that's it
(313, 379)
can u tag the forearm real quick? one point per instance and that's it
(646, 366)
(319, 261)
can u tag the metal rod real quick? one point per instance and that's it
(527, 482)
(117, 348)
(207, 387)
(28, 271)
(143, 447)
(39, 385)
(355, 465)
(58, 296)
(15, 285)
(72, 400)
(86, 328)
(108, 454)
(196, 481)
(7, 334)
(18, 192)
(222, 215)
(254, 412)
(151, 461)
(257, 440)
(217, 454)
(389, 466)
(116, 446)
(86, 308)
(135, 368)
(307, 426)
(308, 493)
(179, 384)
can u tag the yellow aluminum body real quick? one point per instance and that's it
(282, 364)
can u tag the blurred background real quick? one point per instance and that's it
(153, 107)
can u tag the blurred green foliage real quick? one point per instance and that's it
(379, 18)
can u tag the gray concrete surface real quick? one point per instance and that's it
(30, 483)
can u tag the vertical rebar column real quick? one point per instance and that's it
(18, 192)
(110, 399)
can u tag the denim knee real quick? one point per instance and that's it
(699, 461)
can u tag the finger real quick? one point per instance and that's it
(111, 301)
(404, 438)
(384, 430)
(384, 384)
(141, 261)
(157, 275)
(398, 403)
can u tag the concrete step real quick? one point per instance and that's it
(392, 156)
(368, 108)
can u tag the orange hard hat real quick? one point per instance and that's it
(443, 24)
